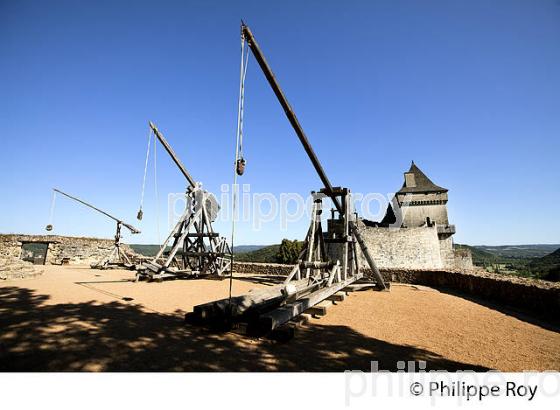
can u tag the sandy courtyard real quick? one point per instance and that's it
(75, 319)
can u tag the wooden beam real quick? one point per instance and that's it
(320, 309)
(279, 316)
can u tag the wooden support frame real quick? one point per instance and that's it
(317, 275)
(196, 250)
(320, 273)
(116, 258)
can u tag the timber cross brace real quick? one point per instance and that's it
(196, 249)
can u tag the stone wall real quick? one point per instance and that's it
(454, 259)
(79, 250)
(12, 267)
(538, 296)
(9, 246)
(262, 268)
(462, 260)
(446, 251)
(414, 215)
(405, 248)
(413, 248)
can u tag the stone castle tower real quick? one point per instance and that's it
(421, 201)
(415, 233)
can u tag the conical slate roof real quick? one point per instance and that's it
(423, 183)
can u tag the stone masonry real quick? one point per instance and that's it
(407, 248)
(77, 250)
(415, 233)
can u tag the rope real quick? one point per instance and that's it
(238, 152)
(242, 104)
(156, 191)
(51, 213)
(145, 169)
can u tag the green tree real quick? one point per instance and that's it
(289, 251)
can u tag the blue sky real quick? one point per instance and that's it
(468, 89)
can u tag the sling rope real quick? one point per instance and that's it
(140, 212)
(156, 192)
(242, 106)
(238, 153)
(51, 213)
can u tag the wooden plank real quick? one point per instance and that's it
(300, 320)
(281, 315)
(319, 309)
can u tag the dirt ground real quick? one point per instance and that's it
(78, 319)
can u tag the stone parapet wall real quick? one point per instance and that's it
(446, 252)
(262, 268)
(78, 250)
(538, 296)
(462, 259)
(12, 267)
(9, 246)
(454, 259)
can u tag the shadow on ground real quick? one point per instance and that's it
(37, 336)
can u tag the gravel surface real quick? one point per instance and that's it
(78, 319)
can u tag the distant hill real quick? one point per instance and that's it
(247, 248)
(519, 251)
(536, 261)
(550, 259)
(146, 250)
(547, 267)
(265, 254)
(480, 257)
